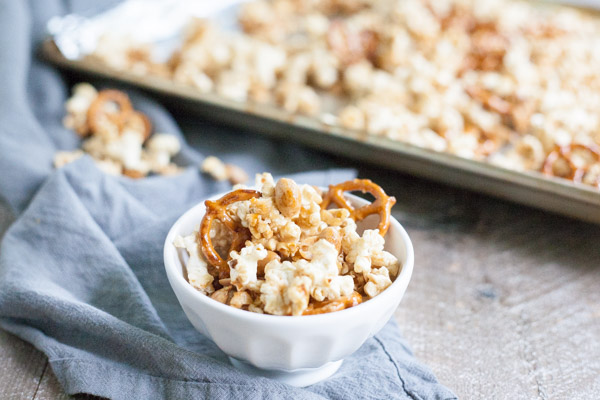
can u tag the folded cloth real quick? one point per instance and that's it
(81, 271)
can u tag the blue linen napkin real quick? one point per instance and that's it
(81, 271)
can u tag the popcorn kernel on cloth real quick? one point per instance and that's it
(220, 171)
(125, 149)
(116, 147)
(315, 260)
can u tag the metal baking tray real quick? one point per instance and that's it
(529, 188)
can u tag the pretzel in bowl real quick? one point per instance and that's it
(123, 116)
(342, 303)
(381, 206)
(576, 173)
(216, 210)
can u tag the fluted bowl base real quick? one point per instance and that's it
(299, 377)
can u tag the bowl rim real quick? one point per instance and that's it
(174, 270)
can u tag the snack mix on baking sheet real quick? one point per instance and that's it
(117, 137)
(283, 250)
(513, 83)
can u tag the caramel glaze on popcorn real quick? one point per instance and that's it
(281, 250)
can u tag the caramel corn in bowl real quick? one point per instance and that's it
(289, 279)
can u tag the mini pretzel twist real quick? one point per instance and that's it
(217, 210)
(124, 116)
(328, 306)
(382, 204)
(565, 152)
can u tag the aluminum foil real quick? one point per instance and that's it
(159, 22)
(145, 21)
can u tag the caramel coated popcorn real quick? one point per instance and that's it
(117, 137)
(297, 257)
(120, 139)
(508, 82)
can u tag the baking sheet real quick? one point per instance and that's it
(529, 188)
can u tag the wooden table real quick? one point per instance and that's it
(504, 301)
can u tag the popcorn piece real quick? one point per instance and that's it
(164, 143)
(358, 78)
(235, 174)
(215, 168)
(255, 309)
(367, 251)
(161, 147)
(223, 295)
(278, 277)
(240, 299)
(265, 184)
(287, 197)
(109, 167)
(379, 280)
(233, 85)
(197, 269)
(244, 265)
(220, 171)
(360, 252)
(190, 74)
(352, 117)
(309, 218)
(323, 272)
(127, 149)
(63, 158)
(77, 106)
(335, 216)
(298, 98)
(297, 294)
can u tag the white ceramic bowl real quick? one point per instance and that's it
(297, 350)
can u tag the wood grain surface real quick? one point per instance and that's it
(504, 302)
(507, 306)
